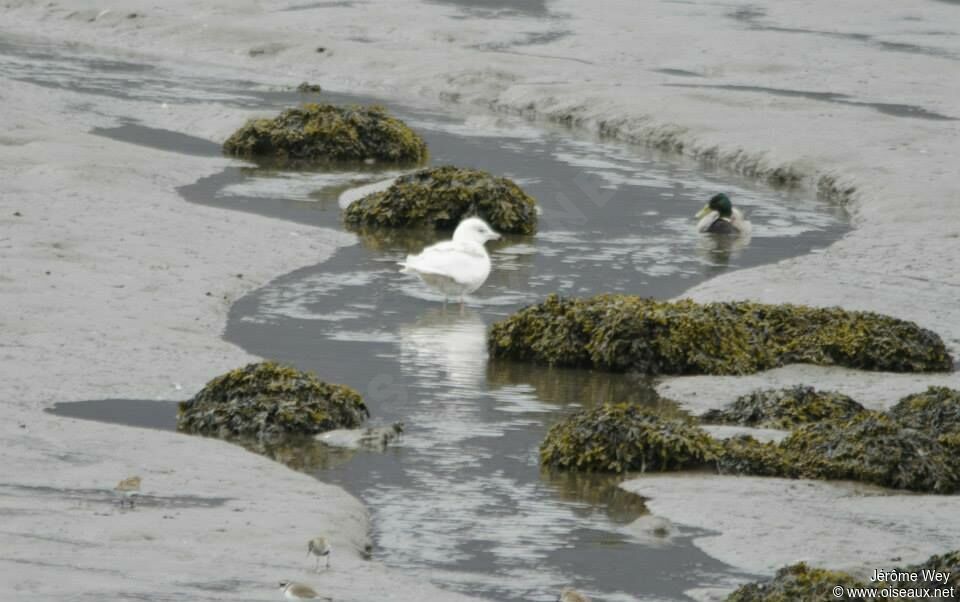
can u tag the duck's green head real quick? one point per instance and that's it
(719, 203)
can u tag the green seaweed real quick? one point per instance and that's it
(870, 447)
(785, 408)
(744, 455)
(625, 437)
(833, 438)
(439, 197)
(874, 448)
(944, 563)
(329, 133)
(802, 583)
(936, 410)
(628, 333)
(798, 583)
(267, 399)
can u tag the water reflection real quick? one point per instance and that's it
(315, 185)
(445, 348)
(305, 454)
(596, 493)
(568, 386)
(721, 252)
(398, 242)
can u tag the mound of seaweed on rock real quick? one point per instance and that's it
(629, 333)
(329, 133)
(625, 437)
(936, 410)
(944, 563)
(913, 447)
(439, 197)
(267, 400)
(785, 408)
(800, 582)
(744, 455)
(870, 447)
(795, 583)
(873, 448)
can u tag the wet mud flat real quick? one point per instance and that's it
(461, 500)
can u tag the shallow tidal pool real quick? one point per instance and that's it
(460, 499)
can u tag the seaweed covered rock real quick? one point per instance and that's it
(624, 332)
(268, 399)
(802, 583)
(744, 455)
(944, 563)
(936, 411)
(625, 437)
(329, 133)
(853, 339)
(785, 408)
(870, 447)
(873, 448)
(439, 197)
(798, 583)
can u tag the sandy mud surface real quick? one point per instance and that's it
(111, 285)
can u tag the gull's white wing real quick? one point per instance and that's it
(461, 263)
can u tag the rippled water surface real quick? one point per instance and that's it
(461, 500)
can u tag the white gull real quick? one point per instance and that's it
(455, 267)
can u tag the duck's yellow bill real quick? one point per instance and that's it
(702, 212)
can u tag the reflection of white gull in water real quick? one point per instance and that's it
(719, 216)
(375, 438)
(445, 348)
(455, 267)
(355, 194)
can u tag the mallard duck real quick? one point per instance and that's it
(455, 267)
(719, 217)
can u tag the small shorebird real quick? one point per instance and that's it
(298, 591)
(129, 488)
(571, 595)
(318, 546)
